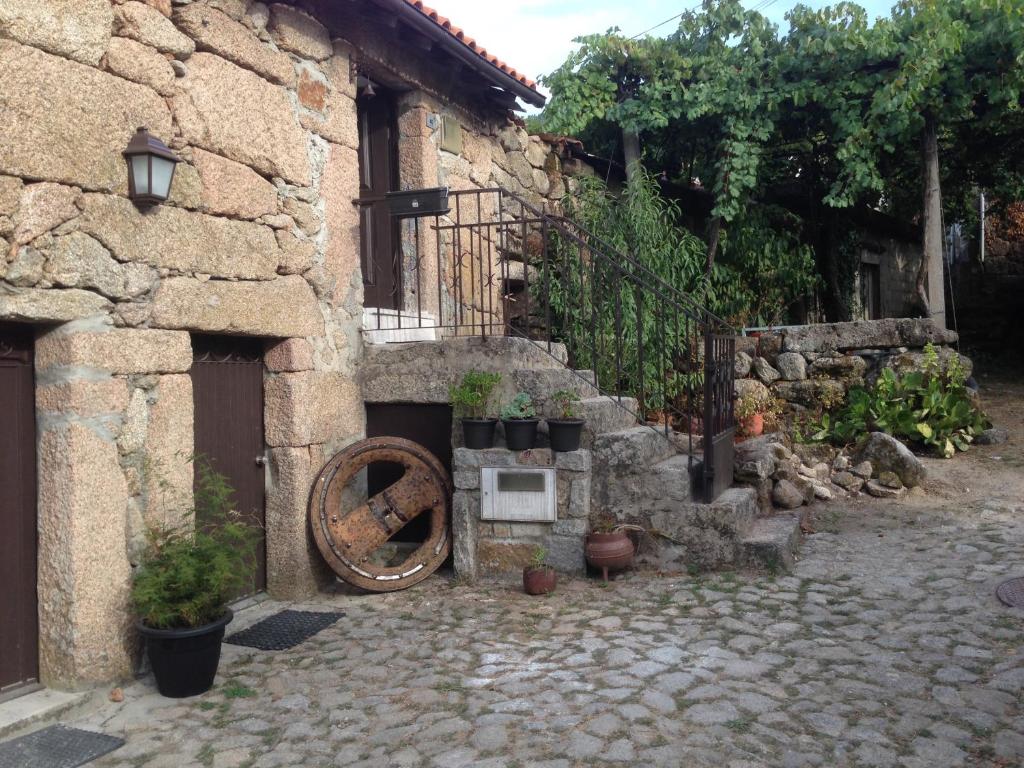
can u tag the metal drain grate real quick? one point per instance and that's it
(56, 747)
(1011, 592)
(283, 630)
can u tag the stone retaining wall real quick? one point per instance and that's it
(811, 366)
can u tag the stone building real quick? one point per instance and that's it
(228, 319)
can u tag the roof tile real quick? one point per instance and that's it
(470, 43)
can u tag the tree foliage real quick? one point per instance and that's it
(826, 117)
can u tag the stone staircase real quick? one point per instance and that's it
(640, 475)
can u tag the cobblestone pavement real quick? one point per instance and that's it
(886, 647)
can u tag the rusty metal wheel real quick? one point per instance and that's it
(348, 539)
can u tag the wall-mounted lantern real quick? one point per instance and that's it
(150, 169)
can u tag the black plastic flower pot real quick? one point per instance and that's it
(520, 434)
(565, 434)
(479, 433)
(185, 661)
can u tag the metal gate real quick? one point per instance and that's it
(227, 389)
(19, 622)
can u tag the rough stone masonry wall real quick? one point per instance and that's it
(259, 238)
(499, 547)
(810, 366)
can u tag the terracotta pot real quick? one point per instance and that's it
(753, 426)
(609, 551)
(539, 580)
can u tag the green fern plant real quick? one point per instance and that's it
(188, 575)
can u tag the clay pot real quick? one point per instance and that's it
(609, 551)
(539, 580)
(753, 426)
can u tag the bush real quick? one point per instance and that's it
(931, 408)
(472, 397)
(187, 577)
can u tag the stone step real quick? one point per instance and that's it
(638, 491)
(423, 371)
(772, 542)
(606, 414)
(542, 384)
(633, 449)
(704, 536)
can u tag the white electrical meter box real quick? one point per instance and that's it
(519, 494)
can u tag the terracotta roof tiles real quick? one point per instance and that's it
(460, 35)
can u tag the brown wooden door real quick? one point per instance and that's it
(227, 385)
(378, 174)
(19, 621)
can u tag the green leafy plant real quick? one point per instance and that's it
(566, 402)
(187, 576)
(930, 407)
(538, 558)
(521, 407)
(472, 396)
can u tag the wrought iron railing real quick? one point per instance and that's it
(497, 265)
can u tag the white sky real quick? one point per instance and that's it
(534, 36)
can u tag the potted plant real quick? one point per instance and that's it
(471, 398)
(608, 547)
(752, 410)
(539, 578)
(566, 429)
(520, 420)
(184, 581)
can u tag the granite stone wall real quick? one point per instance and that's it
(259, 238)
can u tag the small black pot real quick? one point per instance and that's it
(565, 434)
(479, 433)
(520, 434)
(185, 661)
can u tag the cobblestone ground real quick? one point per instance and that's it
(884, 648)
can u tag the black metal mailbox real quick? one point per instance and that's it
(419, 202)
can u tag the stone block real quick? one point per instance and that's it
(570, 527)
(79, 261)
(116, 350)
(887, 454)
(764, 370)
(147, 25)
(490, 457)
(579, 498)
(78, 29)
(84, 575)
(167, 237)
(535, 457)
(295, 568)
(86, 398)
(792, 366)
(297, 255)
(465, 536)
(289, 355)
(810, 393)
(169, 446)
(52, 93)
(743, 364)
(565, 554)
(214, 111)
(787, 495)
(466, 479)
(276, 308)
(312, 90)
(26, 269)
(339, 187)
(866, 334)
(298, 32)
(217, 32)
(50, 305)
(845, 367)
(311, 407)
(573, 461)
(43, 207)
(750, 388)
(769, 345)
(233, 189)
(140, 64)
(907, 362)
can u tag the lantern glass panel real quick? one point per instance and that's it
(140, 173)
(163, 170)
